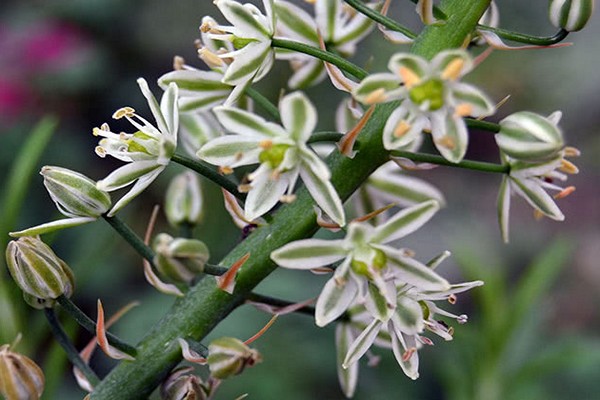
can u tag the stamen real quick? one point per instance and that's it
(211, 59)
(105, 127)
(463, 110)
(447, 142)
(287, 198)
(238, 156)
(409, 77)
(462, 319)
(178, 63)
(425, 340)
(244, 188)
(564, 193)
(401, 129)
(96, 131)
(537, 214)
(453, 69)
(100, 151)
(275, 174)
(452, 299)
(339, 280)
(265, 144)
(376, 96)
(123, 112)
(408, 354)
(568, 167)
(451, 331)
(570, 151)
(225, 170)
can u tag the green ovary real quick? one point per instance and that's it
(134, 146)
(379, 262)
(431, 91)
(274, 155)
(240, 43)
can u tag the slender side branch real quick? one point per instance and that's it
(263, 102)
(72, 353)
(272, 301)
(466, 164)
(131, 237)
(210, 173)
(334, 59)
(88, 324)
(318, 137)
(483, 125)
(380, 18)
(525, 38)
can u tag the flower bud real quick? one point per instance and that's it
(75, 194)
(570, 15)
(183, 203)
(229, 356)
(182, 385)
(528, 136)
(179, 259)
(20, 377)
(38, 271)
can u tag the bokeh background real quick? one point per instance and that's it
(534, 327)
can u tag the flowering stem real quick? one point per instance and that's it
(210, 173)
(528, 39)
(439, 160)
(72, 353)
(380, 18)
(264, 103)
(483, 125)
(88, 324)
(327, 56)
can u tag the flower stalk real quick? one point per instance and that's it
(465, 164)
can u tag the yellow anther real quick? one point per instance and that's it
(401, 129)
(568, 167)
(265, 144)
(178, 63)
(209, 26)
(275, 174)
(100, 151)
(447, 142)
(451, 331)
(409, 77)
(226, 170)
(537, 214)
(96, 131)
(570, 151)
(339, 280)
(408, 354)
(376, 96)
(453, 69)
(287, 198)
(452, 299)
(564, 193)
(310, 1)
(123, 112)
(211, 59)
(244, 188)
(238, 156)
(463, 110)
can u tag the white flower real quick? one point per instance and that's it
(147, 151)
(282, 153)
(369, 268)
(432, 99)
(530, 180)
(339, 25)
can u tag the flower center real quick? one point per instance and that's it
(273, 155)
(240, 43)
(378, 262)
(134, 144)
(430, 92)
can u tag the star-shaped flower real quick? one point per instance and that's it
(370, 269)
(282, 153)
(147, 151)
(432, 99)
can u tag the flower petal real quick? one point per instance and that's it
(450, 136)
(154, 106)
(405, 222)
(231, 151)
(413, 272)
(413, 63)
(246, 62)
(537, 197)
(245, 123)
(378, 88)
(481, 105)
(52, 226)
(311, 72)
(348, 377)
(243, 20)
(402, 129)
(362, 343)
(309, 253)
(265, 193)
(408, 317)
(298, 116)
(335, 298)
(504, 208)
(169, 109)
(295, 23)
(127, 174)
(142, 183)
(408, 359)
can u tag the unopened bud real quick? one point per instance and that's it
(527, 136)
(179, 259)
(570, 15)
(20, 377)
(75, 194)
(182, 384)
(229, 356)
(183, 202)
(38, 271)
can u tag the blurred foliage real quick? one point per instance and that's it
(532, 331)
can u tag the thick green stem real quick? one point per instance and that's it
(87, 323)
(72, 353)
(380, 18)
(331, 58)
(205, 305)
(466, 164)
(209, 172)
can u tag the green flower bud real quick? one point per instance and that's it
(38, 271)
(179, 259)
(182, 384)
(570, 15)
(75, 194)
(20, 377)
(528, 136)
(229, 356)
(183, 202)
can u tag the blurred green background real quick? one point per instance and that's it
(533, 328)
